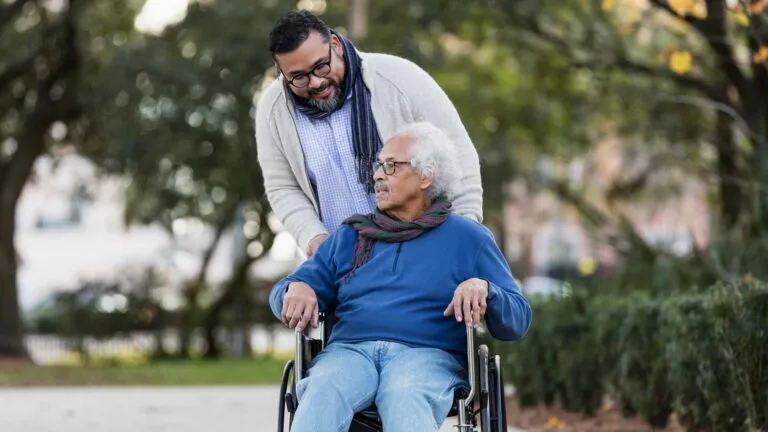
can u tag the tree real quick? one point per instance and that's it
(38, 84)
(175, 113)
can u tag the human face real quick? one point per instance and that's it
(403, 192)
(307, 62)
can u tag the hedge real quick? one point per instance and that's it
(702, 356)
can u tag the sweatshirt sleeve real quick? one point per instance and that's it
(431, 103)
(285, 196)
(508, 315)
(319, 272)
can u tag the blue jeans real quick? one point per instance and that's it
(411, 387)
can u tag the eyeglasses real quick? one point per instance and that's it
(389, 166)
(321, 71)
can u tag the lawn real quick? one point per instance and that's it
(191, 372)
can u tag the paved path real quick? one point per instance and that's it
(142, 409)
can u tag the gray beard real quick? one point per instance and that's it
(327, 105)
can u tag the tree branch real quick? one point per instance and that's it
(664, 5)
(621, 61)
(712, 29)
(32, 137)
(18, 68)
(224, 222)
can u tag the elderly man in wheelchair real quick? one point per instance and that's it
(407, 285)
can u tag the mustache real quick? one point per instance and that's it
(322, 88)
(381, 187)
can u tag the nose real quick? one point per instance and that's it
(315, 82)
(378, 173)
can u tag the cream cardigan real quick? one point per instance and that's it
(401, 93)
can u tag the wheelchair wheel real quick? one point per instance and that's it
(288, 401)
(497, 405)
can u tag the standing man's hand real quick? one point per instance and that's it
(300, 306)
(469, 301)
(315, 243)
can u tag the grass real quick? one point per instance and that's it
(160, 373)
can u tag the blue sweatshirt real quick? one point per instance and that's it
(401, 292)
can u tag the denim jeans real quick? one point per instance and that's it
(411, 387)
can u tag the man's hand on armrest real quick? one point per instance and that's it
(300, 306)
(469, 302)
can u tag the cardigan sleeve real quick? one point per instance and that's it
(288, 201)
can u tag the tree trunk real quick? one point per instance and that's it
(193, 289)
(11, 334)
(357, 19)
(232, 291)
(731, 182)
(14, 173)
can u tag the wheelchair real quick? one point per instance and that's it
(487, 400)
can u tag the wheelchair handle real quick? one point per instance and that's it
(465, 404)
(298, 363)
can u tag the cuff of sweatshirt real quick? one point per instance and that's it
(280, 289)
(493, 290)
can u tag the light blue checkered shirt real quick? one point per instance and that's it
(328, 155)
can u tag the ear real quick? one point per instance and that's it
(427, 180)
(336, 45)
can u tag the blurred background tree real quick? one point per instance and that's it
(537, 83)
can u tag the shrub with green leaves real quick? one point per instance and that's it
(718, 354)
(555, 362)
(700, 354)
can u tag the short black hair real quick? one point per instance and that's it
(293, 28)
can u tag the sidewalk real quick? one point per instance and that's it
(143, 409)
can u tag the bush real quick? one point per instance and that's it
(702, 355)
(640, 373)
(555, 362)
(718, 353)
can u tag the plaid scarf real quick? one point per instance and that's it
(365, 136)
(380, 226)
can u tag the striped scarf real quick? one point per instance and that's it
(380, 226)
(365, 136)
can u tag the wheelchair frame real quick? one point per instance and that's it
(490, 396)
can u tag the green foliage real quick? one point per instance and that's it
(99, 310)
(555, 362)
(705, 397)
(700, 355)
(721, 347)
(641, 373)
(257, 371)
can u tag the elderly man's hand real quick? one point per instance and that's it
(299, 306)
(469, 301)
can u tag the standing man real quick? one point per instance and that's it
(320, 125)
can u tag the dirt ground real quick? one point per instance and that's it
(608, 419)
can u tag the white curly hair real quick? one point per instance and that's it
(433, 154)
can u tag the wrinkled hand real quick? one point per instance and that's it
(469, 302)
(299, 306)
(315, 243)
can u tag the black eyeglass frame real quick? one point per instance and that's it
(316, 71)
(389, 166)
